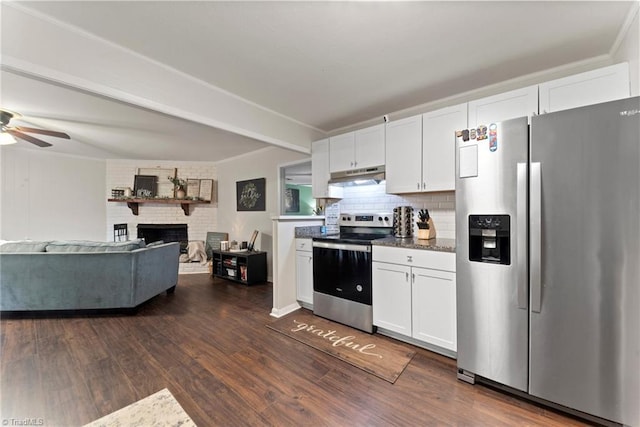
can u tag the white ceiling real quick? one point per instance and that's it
(325, 64)
(104, 128)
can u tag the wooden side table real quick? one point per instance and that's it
(242, 267)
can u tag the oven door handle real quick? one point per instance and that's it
(342, 246)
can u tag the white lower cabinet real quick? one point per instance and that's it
(304, 272)
(391, 297)
(433, 307)
(414, 294)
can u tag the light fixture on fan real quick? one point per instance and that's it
(9, 134)
(6, 138)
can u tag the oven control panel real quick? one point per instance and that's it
(384, 219)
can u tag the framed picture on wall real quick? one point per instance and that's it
(291, 200)
(206, 190)
(164, 187)
(193, 188)
(250, 195)
(144, 186)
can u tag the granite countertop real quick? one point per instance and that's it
(308, 232)
(437, 244)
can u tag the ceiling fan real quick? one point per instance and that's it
(19, 131)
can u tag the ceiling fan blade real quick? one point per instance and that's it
(43, 132)
(31, 139)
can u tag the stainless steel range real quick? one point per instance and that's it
(342, 269)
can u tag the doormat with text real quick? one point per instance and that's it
(376, 355)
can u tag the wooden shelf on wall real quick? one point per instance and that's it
(184, 204)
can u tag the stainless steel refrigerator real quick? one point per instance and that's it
(548, 257)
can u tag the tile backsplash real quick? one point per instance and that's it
(374, 199)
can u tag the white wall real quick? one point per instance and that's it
(260, 164)
(48, 196)
(629, 51)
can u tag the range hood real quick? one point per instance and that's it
(372, 175)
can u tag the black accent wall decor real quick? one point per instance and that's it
(250, 195)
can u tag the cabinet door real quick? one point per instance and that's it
(438, 147)
(434, 307)
(369, 147)
(504, 106)
(304, 276)
(403, 155)
(593, 87)
(320, 187)
(342, 152)
(391, 295)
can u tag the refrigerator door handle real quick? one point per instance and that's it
(521, 235)
(535, 239)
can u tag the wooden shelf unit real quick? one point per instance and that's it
(242, 267)
(184, 204)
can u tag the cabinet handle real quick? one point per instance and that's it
(424, 185)
(418, 185)
(310, 259)
(406, 277)
(413, 277)
(409, 258)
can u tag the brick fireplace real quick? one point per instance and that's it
(201, 219)
(165, 232)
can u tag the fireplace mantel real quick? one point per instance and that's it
(184, 204)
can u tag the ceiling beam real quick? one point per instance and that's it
(42, 47)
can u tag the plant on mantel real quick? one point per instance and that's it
(179, 186)
(177, 182)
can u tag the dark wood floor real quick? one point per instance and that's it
(208, 345)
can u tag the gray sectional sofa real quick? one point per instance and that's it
(83, 275)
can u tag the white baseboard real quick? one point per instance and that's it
(279, 312)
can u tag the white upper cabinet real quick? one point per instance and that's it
(370, 143)
(320, 187)
(504, 106)
(356, 150)
(438, 147)
(420, 151)
(342, 152)
(404, 155)
(593, 87)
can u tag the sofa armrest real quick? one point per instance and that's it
(155, 269)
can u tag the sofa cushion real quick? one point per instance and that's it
(89, 246)
(8, 246)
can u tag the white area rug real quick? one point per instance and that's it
(160, 409)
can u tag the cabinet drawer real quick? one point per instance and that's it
(303, 244)
(436, 260)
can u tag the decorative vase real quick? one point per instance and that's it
(180, 193)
